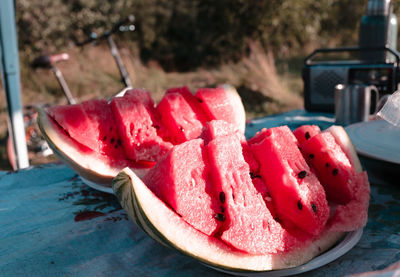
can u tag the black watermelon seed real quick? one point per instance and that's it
(299, 205)
(181, 128)
(222, 209)
(104, 138)
(219, 217)
(335, 171)
(302, 174)
(156, 127)
(201, 101)
(253, 175)
(307, 135)
(311, 156)
(327, 165)
(277, 219)
(112, 140)
(314, 207)
(222, 197)
(119, 142)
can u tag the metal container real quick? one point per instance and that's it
(353, 103)
(378, 28)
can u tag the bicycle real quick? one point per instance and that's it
(36, 144)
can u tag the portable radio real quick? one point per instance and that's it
(377, 60)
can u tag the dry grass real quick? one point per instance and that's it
(92, 73)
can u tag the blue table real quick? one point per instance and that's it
(52, 224)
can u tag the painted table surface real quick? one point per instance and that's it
(52, 224)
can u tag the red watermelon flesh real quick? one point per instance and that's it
(179, 118)
(217, 128)
(180, 179)
(296, 192)
(305, 132)
(141, 95)
(223, 103)
(331, 165)
(248, 224)
(193, 102)
(354, 214)
(99, 112)
(90, 123)
(136, 126)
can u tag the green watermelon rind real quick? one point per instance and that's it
(90, 165)
(168, 228)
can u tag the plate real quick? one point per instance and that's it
(97, 186)
(376, 139)
(348, 242)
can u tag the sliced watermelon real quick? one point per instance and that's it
(305, 132)
(135, 122)
(223, 103)
(296, 192)
(88, 163)
(248, 224)
(180, 179)
(90, 123)
(165, 226)
(331, 165)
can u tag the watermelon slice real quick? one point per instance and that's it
(180, 180)
(179, 118)
(248, 223)
(331, 165)
(296, 192)
(135, 118)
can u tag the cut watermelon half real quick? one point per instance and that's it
(168, 228)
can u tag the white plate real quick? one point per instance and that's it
(376, 139)
(96, 186)
(348, 242)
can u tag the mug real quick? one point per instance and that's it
(353, 103)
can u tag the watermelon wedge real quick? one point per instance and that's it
(247, 222)
(137, 126)
(180, 180)
(296, 192)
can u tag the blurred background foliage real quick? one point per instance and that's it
(182, 35)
